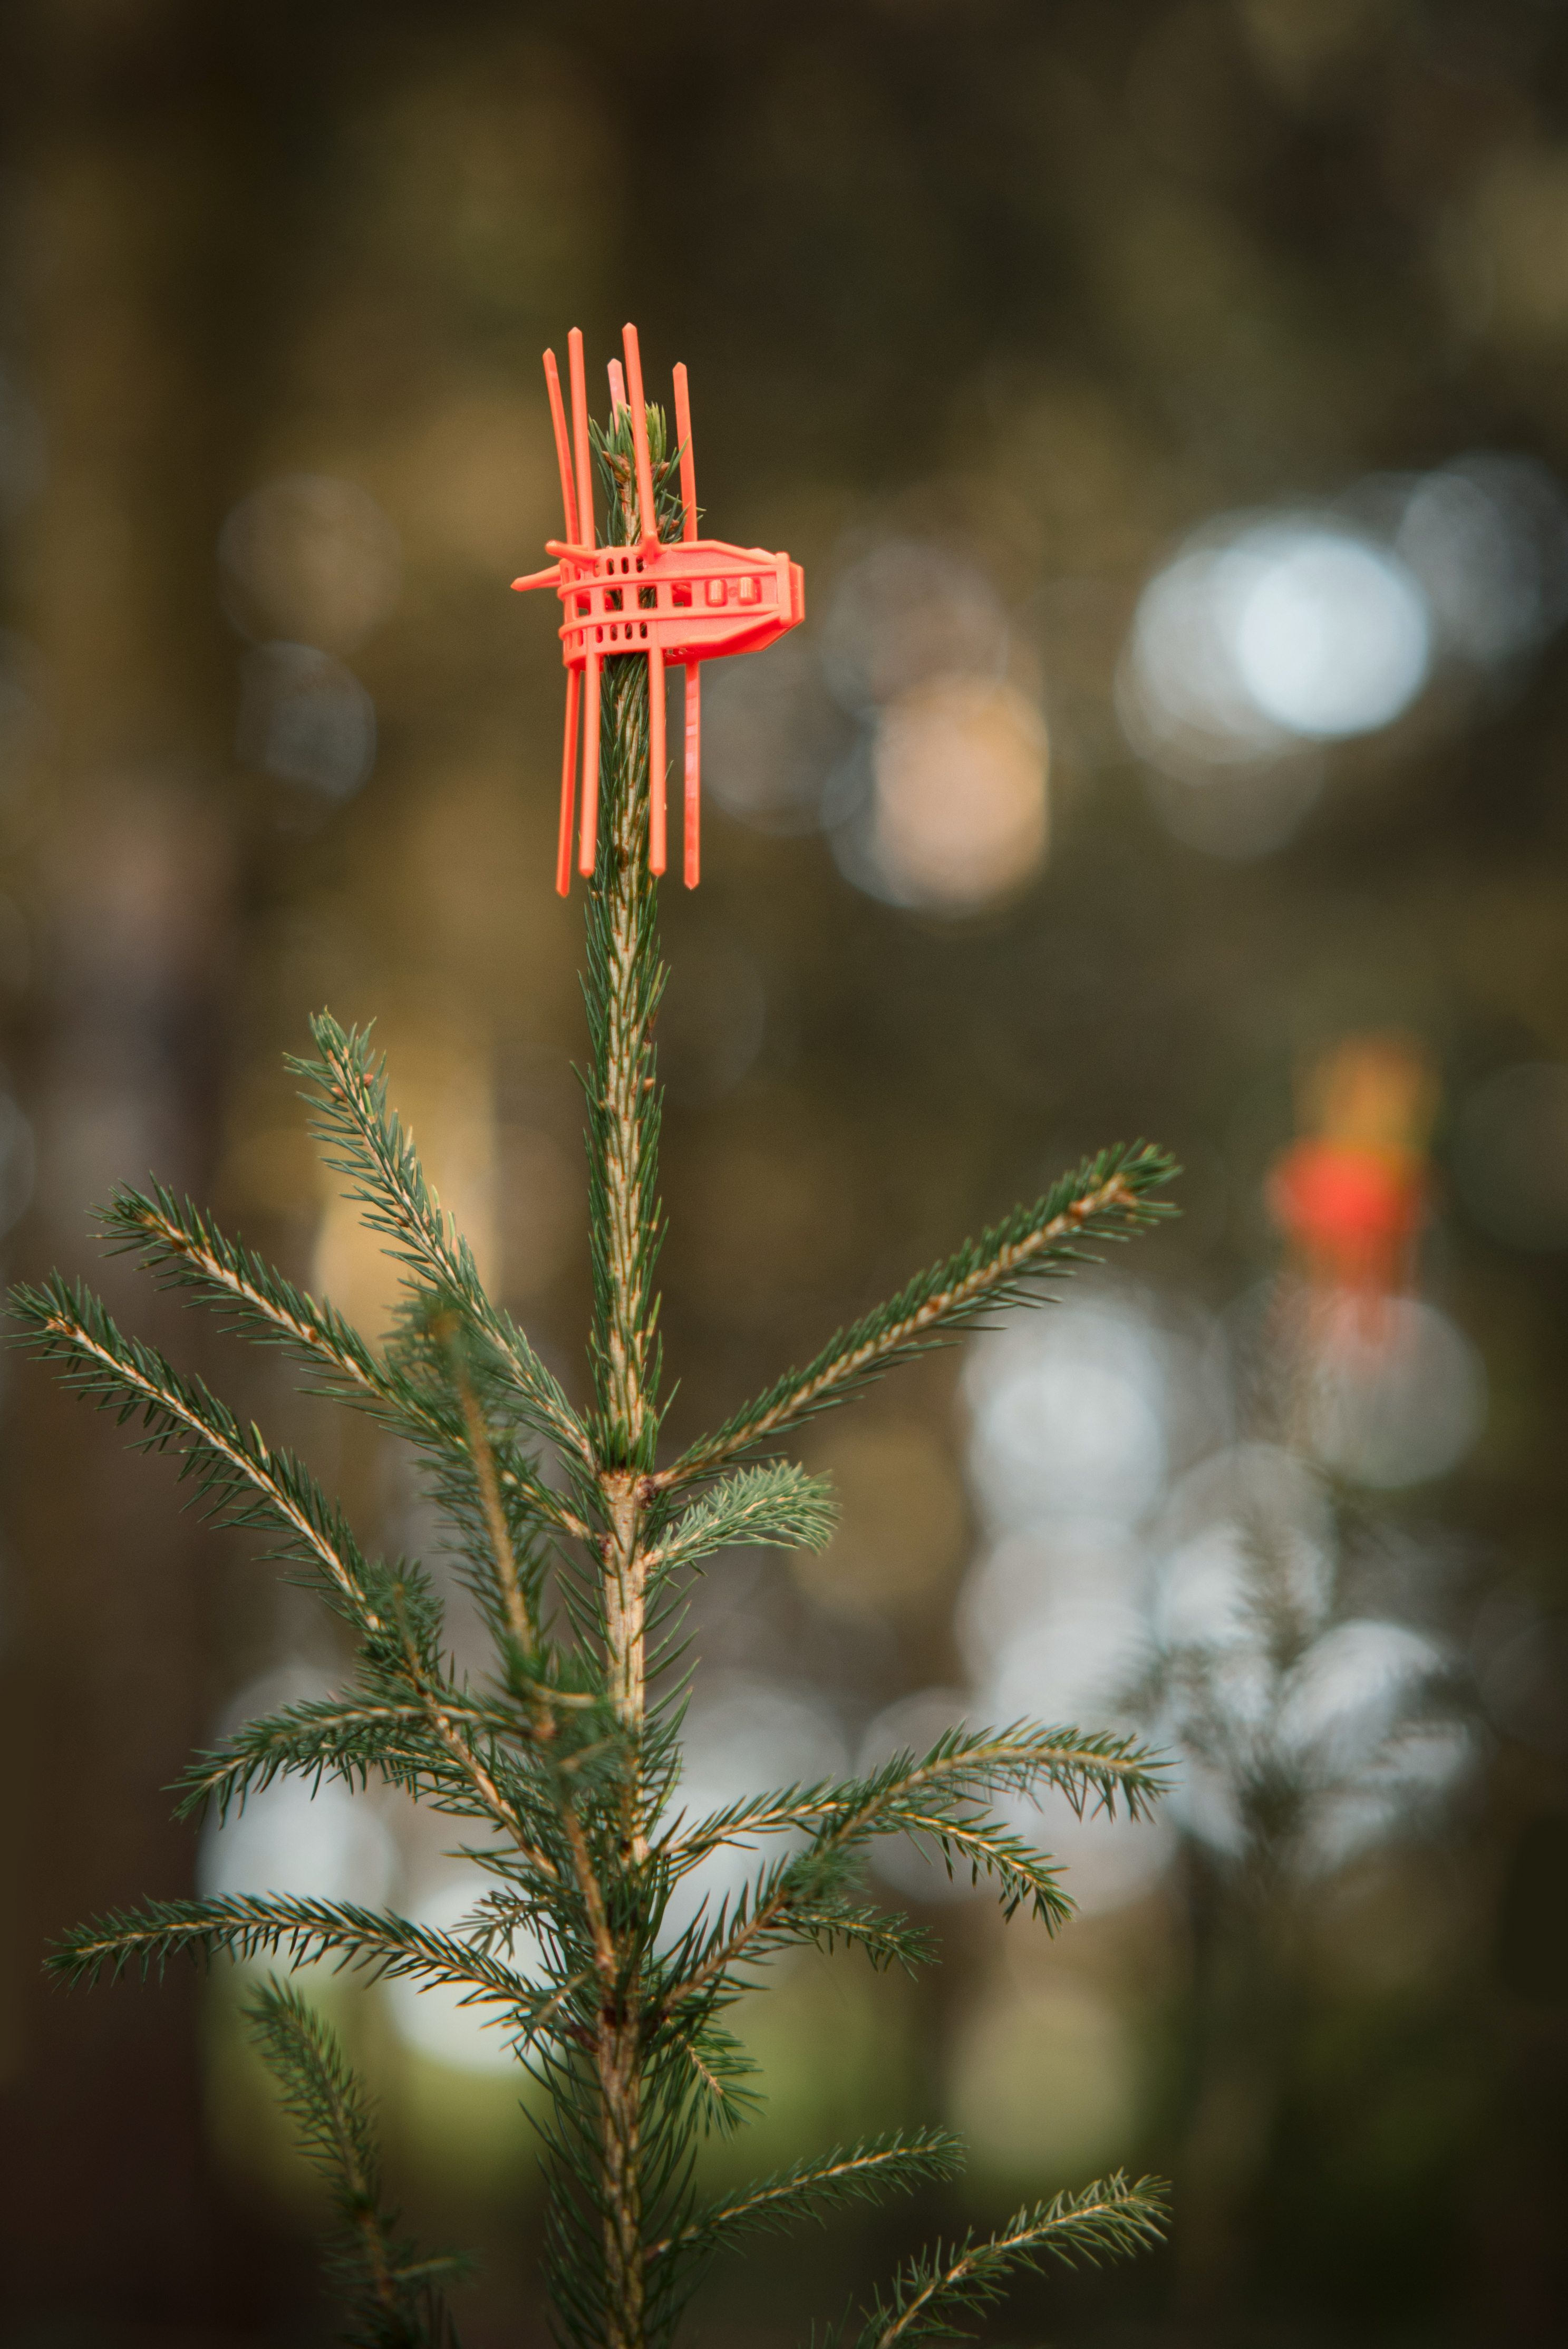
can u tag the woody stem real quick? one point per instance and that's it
(625, 979)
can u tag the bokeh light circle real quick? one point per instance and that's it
(960, 816)
(1487, 536)
(431, 2017)
(317, 1842)
(1293, 629)
(1068, 1417)
(1330, 635)
(1399, 1394)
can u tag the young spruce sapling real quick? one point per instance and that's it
(562, 1764)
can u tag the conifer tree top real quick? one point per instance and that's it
(604, 1949)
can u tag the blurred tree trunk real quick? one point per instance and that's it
(131, 206)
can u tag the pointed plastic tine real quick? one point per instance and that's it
(588, 841)
(617, 388)
(689, 462)
(693, 775)
(640, 434)
(568, 788)
(562, 450)
(585, 527)
(658, 758)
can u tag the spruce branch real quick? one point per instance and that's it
(348, 1739)
(143, 1941)
(243, 1483)
(720, 2069)
(931, 1801)
(807, 1897)
(1108, 1199)
(506, 1520)
(396, 2295)
(354, 1120)
(866, 2171)
(183, 1248)
(481, 1453)
(1093, 1767)
(1107, 2220)
(777, 1503)
(387, 1733)
(508, 1805)
(239, 1479)
(1021, 1875)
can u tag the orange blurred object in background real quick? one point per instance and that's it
(1350, 1197)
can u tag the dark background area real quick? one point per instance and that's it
(1045, 287)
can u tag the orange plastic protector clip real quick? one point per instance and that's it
(691, 601)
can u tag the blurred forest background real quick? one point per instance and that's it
(1168, 400)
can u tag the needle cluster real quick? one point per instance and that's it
(562, 1763)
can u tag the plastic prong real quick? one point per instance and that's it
(568, 788)
(689, 462)
(693, 774)
(580, 435)
(563, 449)
(588, 841)
(658, 758)
(640, 434)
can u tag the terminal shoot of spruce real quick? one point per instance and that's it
(560, 1766)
